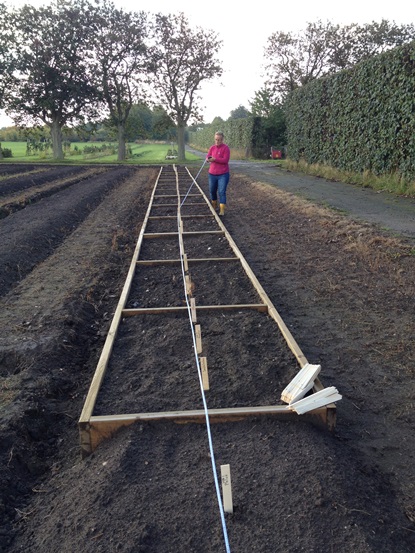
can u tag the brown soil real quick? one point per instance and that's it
(345, 291)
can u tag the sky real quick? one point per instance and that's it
(244, 28)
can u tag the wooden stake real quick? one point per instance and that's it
(205, 374)
(198, 333)
(188, 286)
(225, 471)
(193, 309)
(186, 265)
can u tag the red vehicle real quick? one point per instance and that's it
(275, 154)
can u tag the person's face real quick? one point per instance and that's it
(218, 139)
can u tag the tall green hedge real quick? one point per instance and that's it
(360, 119)
(251, 135)
(238, 133)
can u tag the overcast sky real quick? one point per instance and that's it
(244, 28)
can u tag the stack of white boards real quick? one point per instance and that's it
(294, 393)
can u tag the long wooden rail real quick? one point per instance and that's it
(93, 429)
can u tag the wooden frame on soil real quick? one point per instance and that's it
(94, 429)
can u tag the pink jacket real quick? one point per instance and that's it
(221, 154)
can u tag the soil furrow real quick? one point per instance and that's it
(19, 200)
(345, 291)
(49, 221)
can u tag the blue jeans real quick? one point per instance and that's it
(218, 185)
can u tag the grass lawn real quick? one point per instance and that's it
(141, 154)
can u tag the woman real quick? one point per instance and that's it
(218, 157)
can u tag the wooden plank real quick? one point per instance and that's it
(101, 427)
(189, 233)
(149, 262)
(175, 195)
(175, 217)
(197, 414)
(292, 344)
(301, 383)
(198, 334)
(164, 205)
(109, 341)
(327, 396)
(225, 471)
(161, 234)
(158, 310)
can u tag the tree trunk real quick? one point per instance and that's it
(121, 142)
(56, 134)
(181, 154)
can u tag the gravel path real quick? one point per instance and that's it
(387, 211)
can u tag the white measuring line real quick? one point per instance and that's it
(194, 180)
(212, 454)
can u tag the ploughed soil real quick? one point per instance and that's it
(346, 292)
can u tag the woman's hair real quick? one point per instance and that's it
(220, 133)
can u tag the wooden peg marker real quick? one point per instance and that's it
(205, 375)
(198, 333)
(186, 265)
(225, 471)
(193, 309)
(188, 286)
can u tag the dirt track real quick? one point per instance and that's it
(345, 290)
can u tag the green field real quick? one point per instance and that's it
(140, 153)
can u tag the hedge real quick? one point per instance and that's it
(361, 119)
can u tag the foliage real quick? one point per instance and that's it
(147, 152)
(122, 63)
(182, 59)
(391, 182)
(52, 81)
(239, 113)
(237, 133)
(295, 59)
(360, 119)
(218, 122)
(35, 146)
(11, 134)
(6, 48)
(162, 125)
(5, 152)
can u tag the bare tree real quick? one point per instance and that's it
(183, 59)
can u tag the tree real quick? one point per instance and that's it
(183, 59)
(264, 104)
(120, 51)
(239, 113)
(322, 48)
(139, 123)
(6, 57)
(52, 81)
(218, 122)
(271, 114)
(163, 126)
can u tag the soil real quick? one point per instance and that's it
(345, 290)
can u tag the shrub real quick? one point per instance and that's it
(6, 152)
